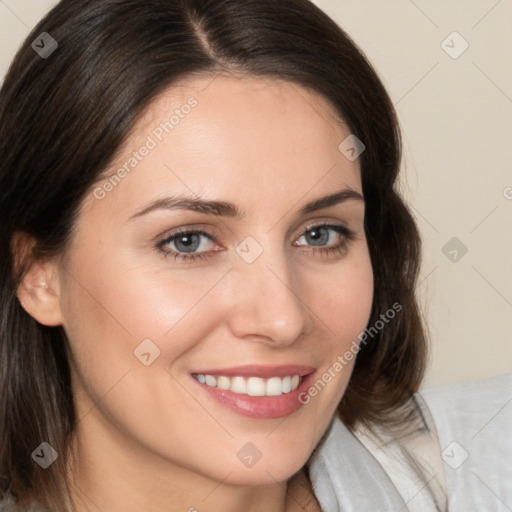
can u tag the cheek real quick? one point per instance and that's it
(343, 297)
(343, 303)
(111, 306)
(108, 319)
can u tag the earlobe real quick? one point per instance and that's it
(38, 291)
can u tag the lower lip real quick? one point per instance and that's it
(260, 407)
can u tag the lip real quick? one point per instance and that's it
(259, 407)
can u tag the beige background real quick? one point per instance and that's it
(456, 120)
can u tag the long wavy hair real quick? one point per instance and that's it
(62, 119)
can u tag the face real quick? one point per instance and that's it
(206, 290)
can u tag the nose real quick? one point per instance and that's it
(267, 305)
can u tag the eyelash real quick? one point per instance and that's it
(339, 248)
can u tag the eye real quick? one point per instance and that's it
(187, 245)
(322, 235)
(327, 238)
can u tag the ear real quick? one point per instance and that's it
(38, 291)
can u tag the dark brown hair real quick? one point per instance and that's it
(63, 118)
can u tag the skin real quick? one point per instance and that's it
(148, 438)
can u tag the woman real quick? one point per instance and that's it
(207, 273)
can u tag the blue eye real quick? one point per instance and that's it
(321, 235)
(322, 239)
(187, 242)
(188, 245)
(183, 244)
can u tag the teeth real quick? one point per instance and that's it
(210, 380)
(223, 382)
(287, 384)
(274, 387)
(238, 385)
(253, 386)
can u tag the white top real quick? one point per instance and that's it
(465, 463)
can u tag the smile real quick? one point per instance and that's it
(252, 386)
(256, 391)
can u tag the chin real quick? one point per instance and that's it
(264, 472)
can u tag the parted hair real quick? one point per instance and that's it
(62, 119)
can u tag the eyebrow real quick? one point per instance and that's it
(226, 209)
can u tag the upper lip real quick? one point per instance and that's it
(260, 371)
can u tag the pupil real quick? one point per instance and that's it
(318, 236)
(188, 243)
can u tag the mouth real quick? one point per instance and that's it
(256, 391)
(251, 386)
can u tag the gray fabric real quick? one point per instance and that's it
(474, 425)
(346, 477)
(412, 459)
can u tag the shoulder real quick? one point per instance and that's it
(473, 422)
(462, 458)
(411, 457)
(345, 476)
(470, 396)
(467, 411)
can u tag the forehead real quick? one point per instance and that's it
(231, 97)
(255, 138)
